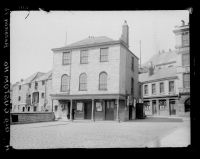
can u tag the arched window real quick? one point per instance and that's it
(64, 83)
(83, 82)
(103, 81)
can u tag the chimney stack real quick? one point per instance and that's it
(183, 22)
(125, 33)
(151, 69)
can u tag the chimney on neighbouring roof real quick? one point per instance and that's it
(151, 69)
(183, 22)
(163, 51)
(125, 33)
(170, 50)
(22, 80)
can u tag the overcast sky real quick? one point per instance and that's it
(32, 37)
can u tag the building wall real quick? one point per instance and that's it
(92, 69)
(126, 72)
(157, 83)
(25, 90)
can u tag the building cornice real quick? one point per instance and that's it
(160, 79)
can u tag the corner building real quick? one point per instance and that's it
(93, 78)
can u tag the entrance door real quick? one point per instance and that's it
(87, 111)
(109, 110)
(154, 110)
(172, 107)
(130, 112)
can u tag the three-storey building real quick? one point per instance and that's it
(92, 79)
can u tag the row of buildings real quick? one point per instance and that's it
(98, 78)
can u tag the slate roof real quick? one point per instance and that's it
(161, 58)
(88, 41)
(44, 76)
(168, 72)
(32, 77)
(91, 40)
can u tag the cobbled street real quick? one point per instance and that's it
(101, 134)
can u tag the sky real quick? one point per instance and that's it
(33, 34)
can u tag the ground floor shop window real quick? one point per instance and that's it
(147, 105)
(99, 107)
(162, 105)
(79, 106)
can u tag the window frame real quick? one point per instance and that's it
(83, 85)
(153, 92)
(84, 55)
(66, 60)
(132, 86)
(171, 91)
(43, 82)
(101, 60)
(162, 83)
(185, 39)
(132, 63)
(146, 91)
(184, 85)
(67, 85)
(42, 95)
(186, 62)
(103, 86)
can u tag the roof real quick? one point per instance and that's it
(162, 57)
(32, 77)
(87, 41)
(44, 76)
(91, 40)
(160, 74)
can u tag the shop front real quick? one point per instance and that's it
(90, 107)
(161, 106)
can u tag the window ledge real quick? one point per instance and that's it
(103, 89)
(104, 61)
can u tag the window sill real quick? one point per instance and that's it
(84, 63)
(104, 61)
(103, 89)
(83, 90)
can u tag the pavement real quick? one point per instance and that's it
(150, 132)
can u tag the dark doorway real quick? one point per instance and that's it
(109, 110)
(154, 110)
(68, 113)
(130, 112)
(172, 110)
(87, 110)
(187, 105)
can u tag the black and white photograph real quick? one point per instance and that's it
(100, 79)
